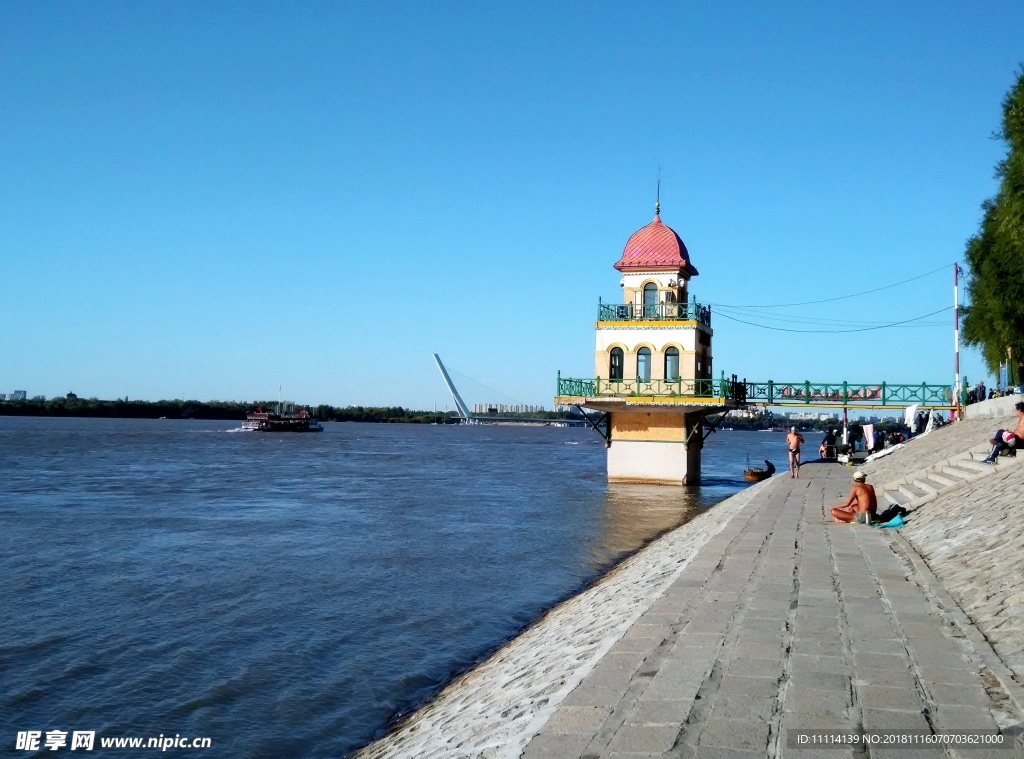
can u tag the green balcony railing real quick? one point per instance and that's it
(684, 388)
(623, 312)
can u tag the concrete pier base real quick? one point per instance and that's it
(654, 448)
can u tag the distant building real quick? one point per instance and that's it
(742, 413)
(71, 397)
(18, 395)
(805, 416)
(505, 408)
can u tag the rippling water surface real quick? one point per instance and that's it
(288, 595)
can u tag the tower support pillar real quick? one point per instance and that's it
(655, 448)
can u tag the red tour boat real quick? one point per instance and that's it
(281, 421)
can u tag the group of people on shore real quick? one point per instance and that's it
(871, 438)
(830, 446)
(862, 505)
(978, 393)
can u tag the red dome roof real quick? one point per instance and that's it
(656, 246)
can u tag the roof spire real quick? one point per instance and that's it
(657, 201)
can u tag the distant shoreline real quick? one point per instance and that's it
(211, 411)
(223, 411)
(122, 408)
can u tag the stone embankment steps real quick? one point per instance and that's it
(924, 485)
(934, 448)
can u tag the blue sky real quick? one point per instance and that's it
(211, 200)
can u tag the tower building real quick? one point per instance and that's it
(653, 365)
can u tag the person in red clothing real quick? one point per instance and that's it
(1007, 438)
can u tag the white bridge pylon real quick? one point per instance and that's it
(460, 404)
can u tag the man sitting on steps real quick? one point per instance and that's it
(1007, 438)
(861, 506)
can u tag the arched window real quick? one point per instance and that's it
(650, 300)
(671, 363)
(615, 365)
(643, 364)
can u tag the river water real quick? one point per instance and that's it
(288, 595)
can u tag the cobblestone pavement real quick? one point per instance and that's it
(787, 620)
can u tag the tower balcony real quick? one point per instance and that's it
(691, 311)
(727, 392)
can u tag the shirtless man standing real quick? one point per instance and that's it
(861, 504)
(793, 440)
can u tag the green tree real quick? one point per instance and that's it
(994, 320)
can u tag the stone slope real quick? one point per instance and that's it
(965, 524)
(973, 540)
(928, 450)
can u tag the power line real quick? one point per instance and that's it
(841, 297)
(486, 387)
(835, 331)
(822, 321)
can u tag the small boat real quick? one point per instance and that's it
(756, 474)
(281, 421)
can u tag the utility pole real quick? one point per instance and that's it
(956, 337)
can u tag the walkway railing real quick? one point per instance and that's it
(620, 312)
(845, 393)
(763, 393)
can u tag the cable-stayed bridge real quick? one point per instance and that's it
(466, 416)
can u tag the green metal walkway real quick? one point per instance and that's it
(770, 393)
